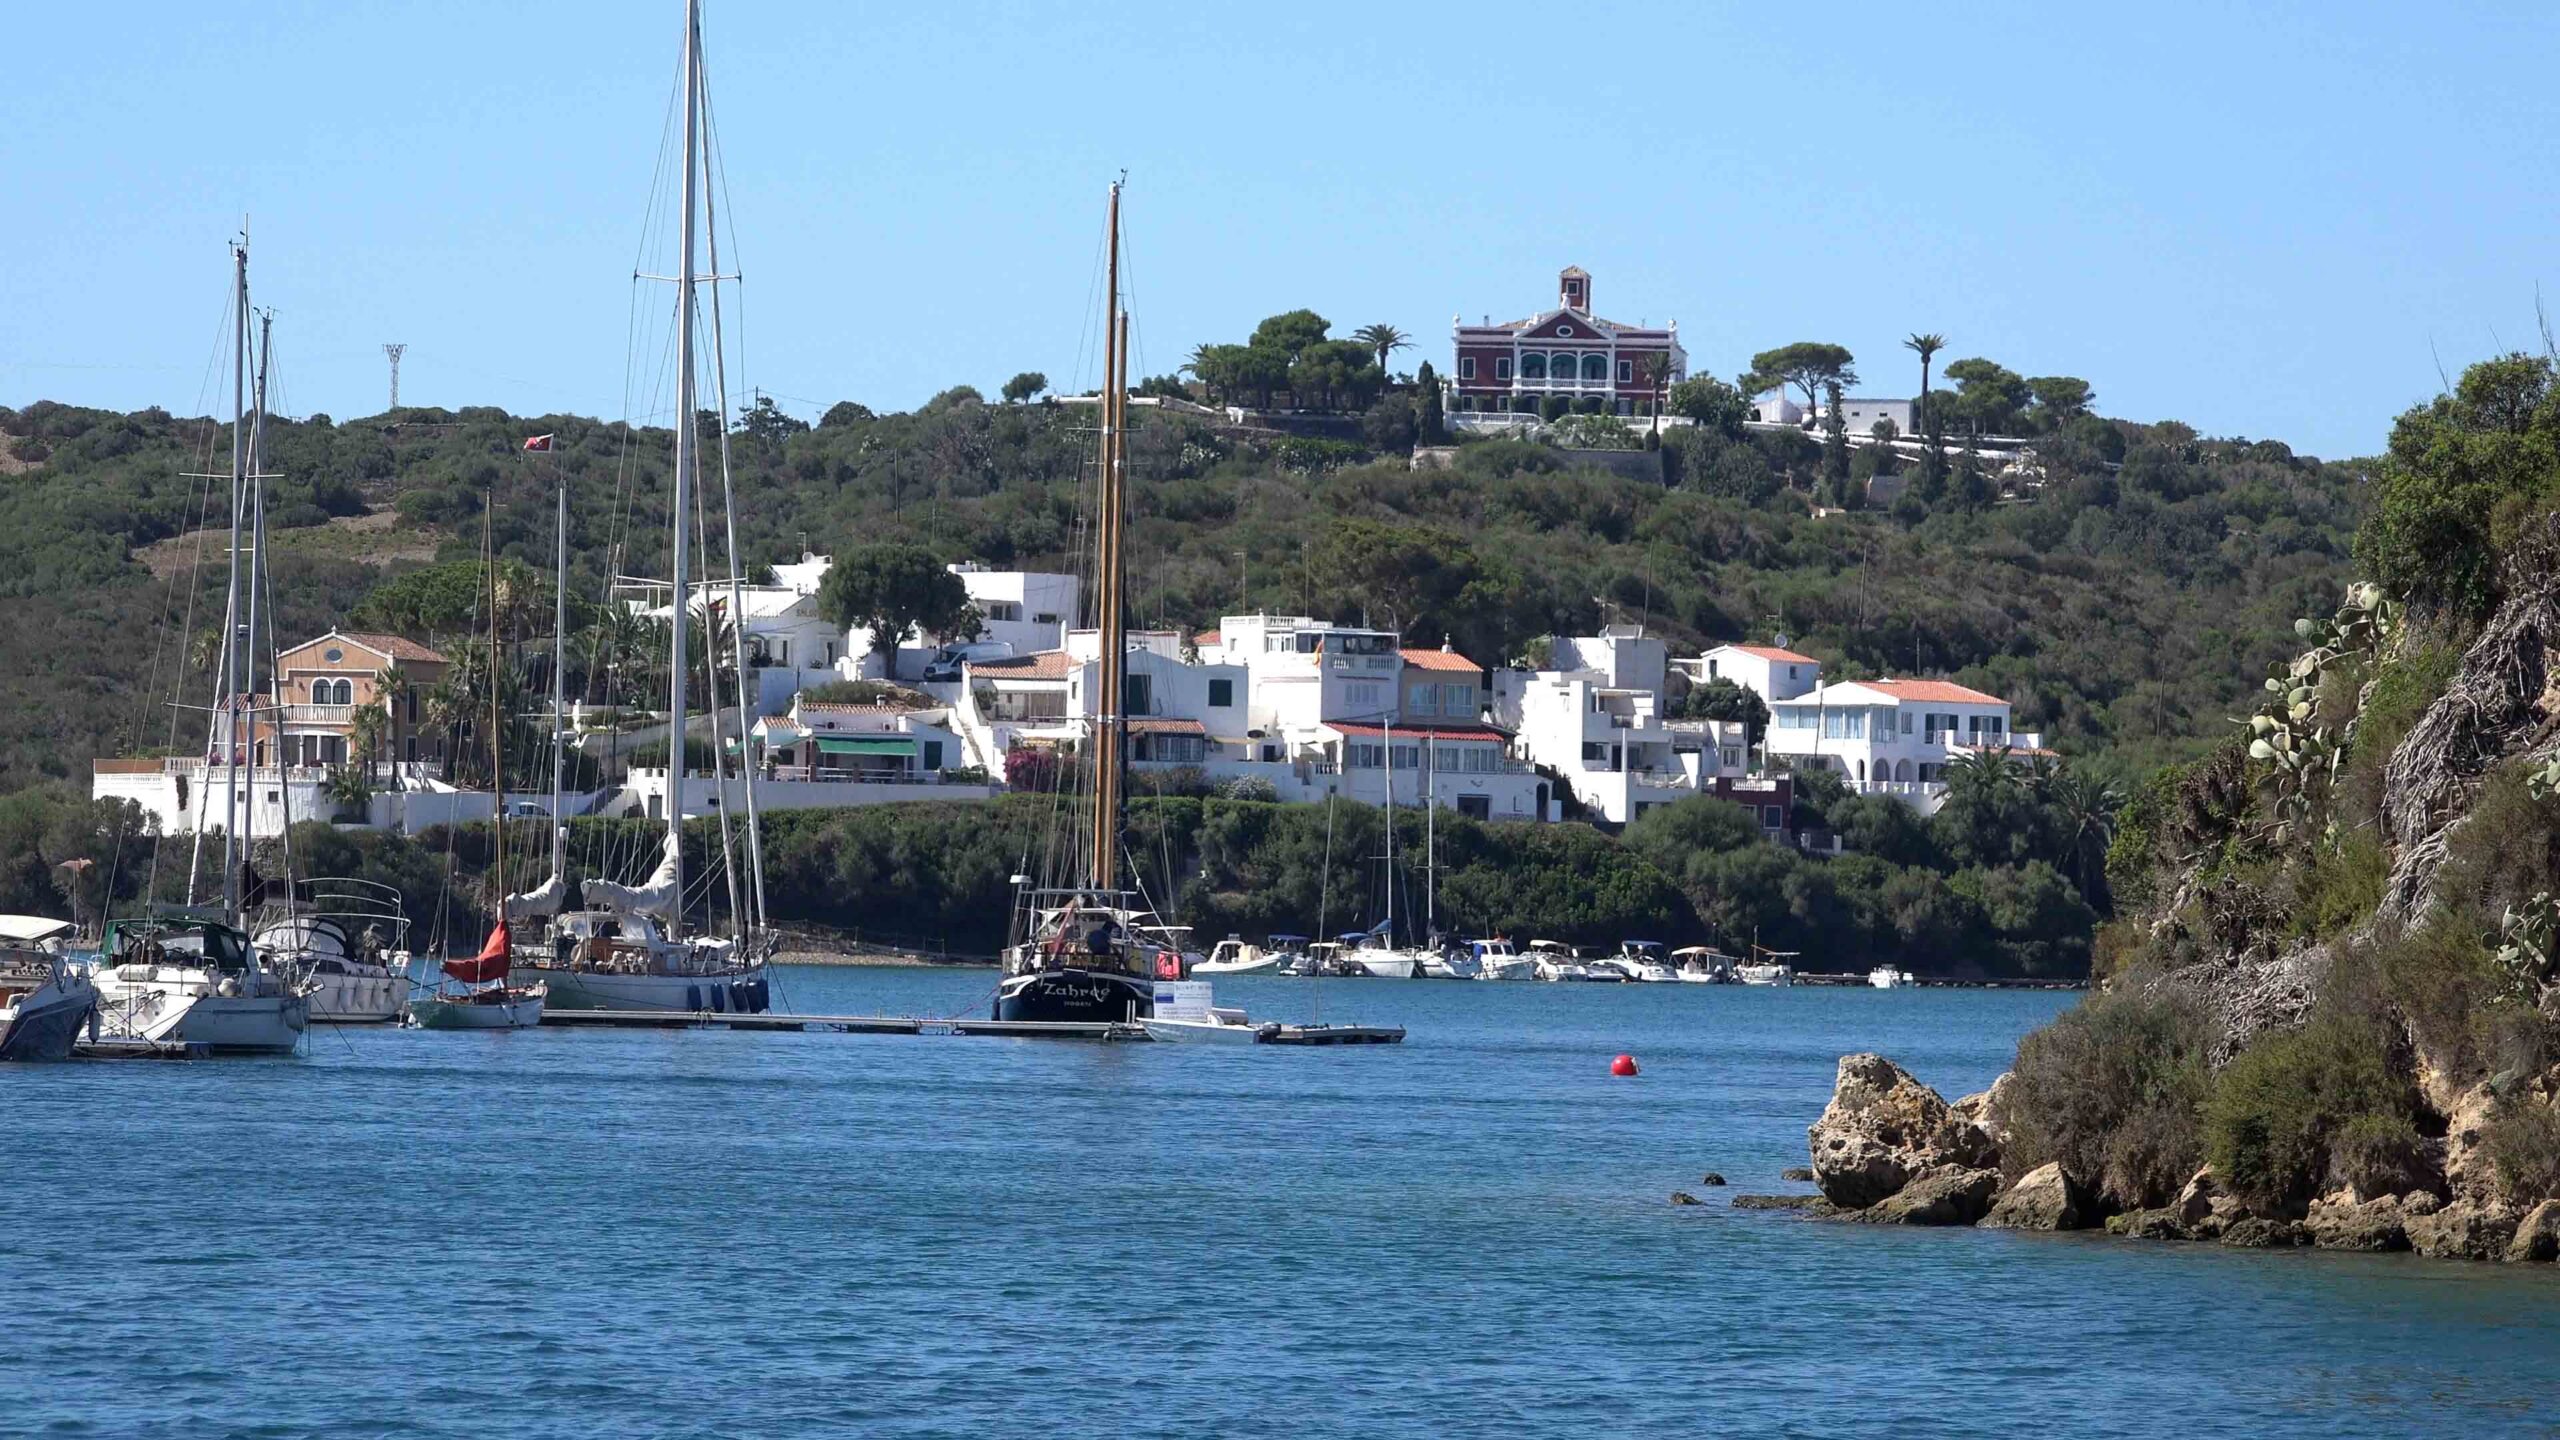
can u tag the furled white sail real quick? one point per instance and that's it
(540, 901)
(657, 897)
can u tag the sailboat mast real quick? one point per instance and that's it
(1430, 837)
(1388, 737)
(1113, 642)
(229, 716)
(261, 585)
(751, 920)
(489, 673)
(559, 668)
(679, 621)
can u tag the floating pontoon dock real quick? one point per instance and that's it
(842, 1024)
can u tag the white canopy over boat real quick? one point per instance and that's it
(29, 929)
(657, 897)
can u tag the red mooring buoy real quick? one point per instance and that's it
(1623, 1065)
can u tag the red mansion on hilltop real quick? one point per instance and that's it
(1568, 354)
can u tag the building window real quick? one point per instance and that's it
(1361, 695)
(1466, 367)
(1595, 367)
(1222, 694)
(1423, 699)
(1533, 366)
(1565, 330)
(1042, 618)
(1366, 756)
(1502, 367)
(1406, 757)
(933, 754)
(1139, 694)
(1003, 610)
(1906, 722)
(1626, 372)
(1460, 699)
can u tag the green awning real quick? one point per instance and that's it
(867, 745)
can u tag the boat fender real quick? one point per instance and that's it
(719, 999)
(693, 997)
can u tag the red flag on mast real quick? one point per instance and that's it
(537, 442)
(490, 964)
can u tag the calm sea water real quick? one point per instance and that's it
(700, 1233)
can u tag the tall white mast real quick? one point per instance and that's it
(685, 447)
(228, 717)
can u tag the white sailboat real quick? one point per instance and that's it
(347, 941)
(187, 974)
(627, 950)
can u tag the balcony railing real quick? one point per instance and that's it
(319, 714)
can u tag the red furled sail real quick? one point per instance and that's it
(489, 964)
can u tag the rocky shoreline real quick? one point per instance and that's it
(1889, 1150)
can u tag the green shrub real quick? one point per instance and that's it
(2401, 693)
(2378, 1154)
(867, 692)
(2523, 1143)
(2275, 1110)
(2504, 852)
(2340, 884)
(2112, 1090)
(2457, 1005)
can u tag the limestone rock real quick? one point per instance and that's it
(2467, 1168)
(2537, 1238)
(2161, 1224)
(2374, 1225)
(1711, 1178)
(1945, 1195)
(2463, 1230)
(1797, 1172)
(2249, 1232)
(1882, 1128)
(2043, 1199)
(1683, 1197)
(1987, 1109)
(2420, 1202)
(2204, 1208)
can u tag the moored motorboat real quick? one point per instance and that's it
(1496, 960)
(1885, 977)
(1703, 965)
(1232, 956)
(1185, 1011)
(1556, 961)
(1643, 960)
(46, 1000)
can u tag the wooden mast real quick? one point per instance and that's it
(1111, 725)
(497, 757)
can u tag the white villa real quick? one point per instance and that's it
(1773, 672)
(1894, 737)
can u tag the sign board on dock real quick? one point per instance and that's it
(1183, 1000)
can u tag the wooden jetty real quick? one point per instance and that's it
(841, 1024)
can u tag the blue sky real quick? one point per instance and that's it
(2270, 223)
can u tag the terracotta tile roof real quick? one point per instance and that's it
(1438, 732)
(1440, 660)
(1047, 665)
(1945, 691)
(1772, 652)
(1152, 726)
(1207, 638)
(398, 647)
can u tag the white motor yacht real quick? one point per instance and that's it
(1556, 961)
(1885, 977)
(1496, 960)
(1376, 957)
(1232, 956)
(187, 977)
(45, 999)
(1765, 973)
(1643, 960)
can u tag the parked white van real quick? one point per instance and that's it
(947, 662)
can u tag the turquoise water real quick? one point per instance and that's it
(700, 1233)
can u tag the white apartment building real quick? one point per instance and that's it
(1595, 717)
(1894, 737)
(1306, 671)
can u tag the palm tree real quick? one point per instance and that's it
(346, 790)
(1986, 773)
(1382, 339)
(1655, 371)
(2085, 809)
(1928, 344)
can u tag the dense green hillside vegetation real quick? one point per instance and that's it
(2121, 609)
